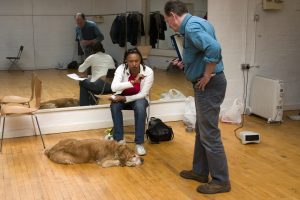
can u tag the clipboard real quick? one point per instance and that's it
(177, 42)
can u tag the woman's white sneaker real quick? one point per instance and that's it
(140, 150)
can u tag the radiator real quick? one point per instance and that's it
(266, 98)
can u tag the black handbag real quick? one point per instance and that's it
(158, 131)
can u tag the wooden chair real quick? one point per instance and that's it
(145, 51)
(9, 110)
(108, 79)
(18, 99)
(14, 60)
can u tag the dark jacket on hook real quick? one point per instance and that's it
(134, 26)
(158, 27)
(117, 31)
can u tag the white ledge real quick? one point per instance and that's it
(85, 118)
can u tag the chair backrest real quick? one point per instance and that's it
(110, 74)
(20, 51)
(38, 92)
(33, 77)
(145, 50)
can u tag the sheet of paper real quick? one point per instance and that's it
(75, 77)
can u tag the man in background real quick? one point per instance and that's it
(87, 33)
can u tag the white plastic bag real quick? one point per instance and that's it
(189, 117)
(172, 94)
(234, 113)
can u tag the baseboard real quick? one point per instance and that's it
(291, 107)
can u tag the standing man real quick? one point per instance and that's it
(88, 33)
(203, 66)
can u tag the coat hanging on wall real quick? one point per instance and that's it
(127, 28)
(157, 29)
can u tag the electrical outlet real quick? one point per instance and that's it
(245, 66)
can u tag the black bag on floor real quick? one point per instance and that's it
(158, 131)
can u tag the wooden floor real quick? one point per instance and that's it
(269, 170)
(57, 85)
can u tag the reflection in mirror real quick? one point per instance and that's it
(195, 7)
(44, 52)
(57, 86)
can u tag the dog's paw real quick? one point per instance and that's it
(69, 162)
(108, 137)
(110, 163)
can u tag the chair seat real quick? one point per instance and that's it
(11, 110)
(14, 99)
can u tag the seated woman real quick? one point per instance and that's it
(100, 63)
(132, 83)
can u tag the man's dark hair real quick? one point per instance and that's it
(98, 47)
(176, 7)
(81, 15)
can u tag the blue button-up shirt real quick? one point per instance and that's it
(200, 47)
(90, 31)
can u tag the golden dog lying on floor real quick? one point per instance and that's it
(107, 153)
(59, 103)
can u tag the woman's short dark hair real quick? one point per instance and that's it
(97, 47)
(176, 7)
(133, 51)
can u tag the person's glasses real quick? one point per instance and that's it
(132, 50)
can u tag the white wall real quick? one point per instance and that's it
(229, 20)
(277, 44)
(278, 47)
(46, 29)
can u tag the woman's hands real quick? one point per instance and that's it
(137, 79)
(82, 74)
(117, 98)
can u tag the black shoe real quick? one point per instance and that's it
(213, 188)
(192, 175)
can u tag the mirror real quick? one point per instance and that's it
(195, 7)
(52, 44)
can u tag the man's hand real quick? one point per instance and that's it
(202, 82)
(93, 42)
(88, 42)
(84, 42)
(178, 63)
(82, 74)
